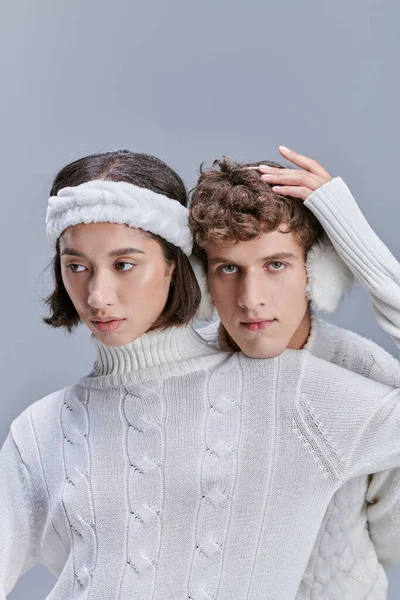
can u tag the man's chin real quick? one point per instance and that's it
(263, 353)
(258, 349)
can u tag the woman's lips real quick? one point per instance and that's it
(258, 325)
(107, 326)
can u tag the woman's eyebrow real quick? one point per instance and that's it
(118, 252)
(71, 252)
(121, 251)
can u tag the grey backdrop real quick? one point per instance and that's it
(188, 82)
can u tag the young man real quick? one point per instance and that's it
(268, 266)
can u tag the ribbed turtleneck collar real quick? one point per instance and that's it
(156, 354)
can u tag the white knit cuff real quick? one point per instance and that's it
(119, 202)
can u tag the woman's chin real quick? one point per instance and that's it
(116, 338)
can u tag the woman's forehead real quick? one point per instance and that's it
(103, 238)
(105, 231)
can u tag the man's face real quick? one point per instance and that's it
(259, 290)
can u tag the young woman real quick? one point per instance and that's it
(172, 471)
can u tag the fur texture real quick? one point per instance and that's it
(329, 278)
(206, 308)
(119, 202)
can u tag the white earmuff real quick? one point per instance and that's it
(328, 277)
(206, 308)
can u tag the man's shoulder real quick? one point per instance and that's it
(301, 375)
(359, 354)
(301, 366)
(336, 379)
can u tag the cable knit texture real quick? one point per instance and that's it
(217, 483)
(360, 534)
(165, 482)
(76, 495)
(143, 413)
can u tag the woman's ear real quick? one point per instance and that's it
(328, 277)
(171, 267)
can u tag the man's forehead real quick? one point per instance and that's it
(266, 244)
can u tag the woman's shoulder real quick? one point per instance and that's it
(35, 419)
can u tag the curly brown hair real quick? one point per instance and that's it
(232, 203)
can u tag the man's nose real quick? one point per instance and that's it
(252, 292)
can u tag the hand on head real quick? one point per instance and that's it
(297, 183)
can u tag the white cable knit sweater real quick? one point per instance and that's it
(361, 528)
(176, 472)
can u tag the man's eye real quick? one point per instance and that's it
(76, 268)
(124, 266)
(276, 266)
(227, 269)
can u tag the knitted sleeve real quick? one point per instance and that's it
(17, 526)
(383, 511)
(376, 443)
(383, 494)
(357, 420)
(379, 274)
(366, 255)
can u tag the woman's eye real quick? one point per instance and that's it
(276, 266)
(124, 266)
(76, 268)
(228, 269)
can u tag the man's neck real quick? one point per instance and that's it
(302, 332)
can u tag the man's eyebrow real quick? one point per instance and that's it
(277, 256)
(118, 252)
(218, 259)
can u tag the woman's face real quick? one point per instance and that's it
(117, 278)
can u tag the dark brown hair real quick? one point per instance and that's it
(144, 171)
(232, 203)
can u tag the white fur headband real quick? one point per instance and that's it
(119, 202)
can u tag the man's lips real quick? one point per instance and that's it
(108, 324)
(257, 324)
